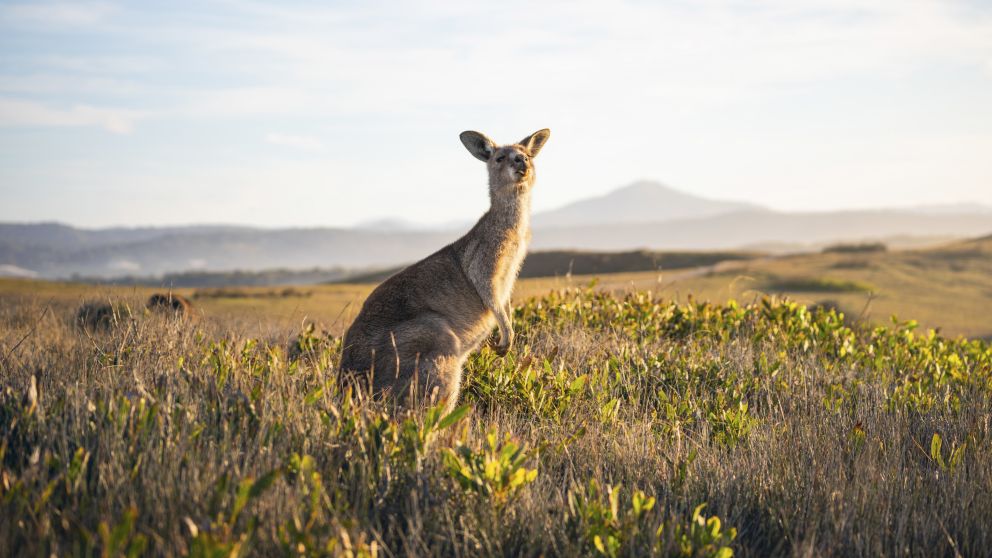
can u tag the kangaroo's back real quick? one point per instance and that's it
(417, 328)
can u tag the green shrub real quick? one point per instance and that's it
(816, 285)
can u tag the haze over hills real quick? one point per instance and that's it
(640, 202)
(783, 232)
(212, 250)
(643, 215)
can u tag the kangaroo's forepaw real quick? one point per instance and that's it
(504, 345)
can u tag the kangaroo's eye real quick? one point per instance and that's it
(500, 159)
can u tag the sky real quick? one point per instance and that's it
(338, 113)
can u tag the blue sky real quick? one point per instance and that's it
(335, 113)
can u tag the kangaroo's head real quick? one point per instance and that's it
(511, 167)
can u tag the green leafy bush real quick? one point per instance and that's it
(807, 434)
(495, 471)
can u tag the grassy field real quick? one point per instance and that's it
(621, 424)
(949, 288)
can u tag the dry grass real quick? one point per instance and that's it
(163, 437)
(949, 288)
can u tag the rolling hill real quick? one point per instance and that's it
(947, 287)
(793, 231)
(642, 216)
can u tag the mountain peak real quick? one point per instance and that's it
(642, 201)
(643, 186)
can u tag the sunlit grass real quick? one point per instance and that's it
(602, 433)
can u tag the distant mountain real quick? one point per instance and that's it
(222, 249)
(65, 237)
(389, 224)
(640, 202)
(644, 215)
(396, 224)
(764, 229)
(952, 208)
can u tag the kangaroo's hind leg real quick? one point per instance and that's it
(423, 355)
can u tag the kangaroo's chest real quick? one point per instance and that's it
(511, 257)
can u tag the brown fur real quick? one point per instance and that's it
(98, 316)
(170, 302)
(418, 327)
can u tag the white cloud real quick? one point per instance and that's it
(696, 54)
(56, 13)
(248, 101)
(97, 64)
(28, 113)
(307, 143)
(712, 94)
(125, 265)
(54, 83)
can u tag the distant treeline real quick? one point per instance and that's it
(563, 262)
(538, 264)
(223, 292)
(855, 248)
(555, 263)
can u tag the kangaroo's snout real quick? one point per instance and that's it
(510, 165)
(519, 166)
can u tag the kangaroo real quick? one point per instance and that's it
(418, 327)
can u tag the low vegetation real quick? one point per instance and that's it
(802, 284)
(863, 248)
(620, 425)
(554, 263)
(945, 288)
(286, 292)
(561, 263)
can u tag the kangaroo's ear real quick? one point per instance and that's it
(536, 141)
(478, 145)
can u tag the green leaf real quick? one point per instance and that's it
(454, 416)
(137, 546)
(615, 501)
(244, 492)
(935, 444)
(45, 495)
(577, 384)
(609, 410)
(714, 526)
(297, 467)
(432, 417)
(313, 396)
(956, 456)
(263, 483)
(697, 516)
(517, 478)
(123, 529)
(641, 502)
